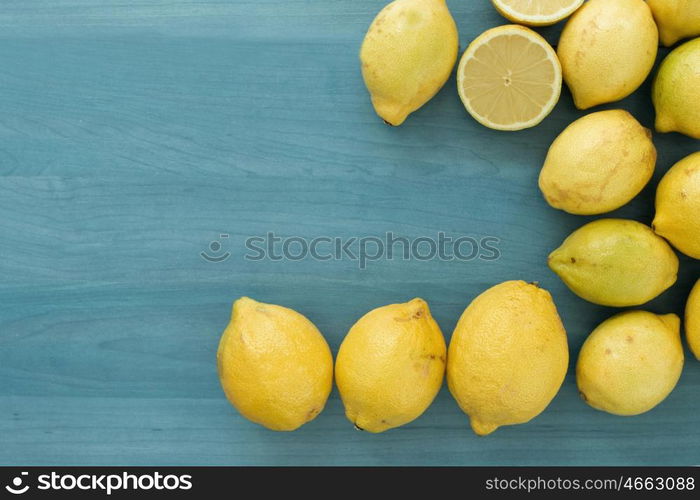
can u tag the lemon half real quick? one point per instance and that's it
(537, 13)
(509, 78)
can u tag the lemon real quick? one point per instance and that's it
(692, 320)
(598, 163)
(607, 49)
(390, 366)
(537, 13)
(508, 356)
(274, 365)
(678, 206)
(676, 91)
(509, 78)
(407, 56)
(631, 362)
(676, 19)
(615, 262)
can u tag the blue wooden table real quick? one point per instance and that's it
(134, 134)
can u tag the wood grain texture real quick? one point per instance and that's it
(134, 133)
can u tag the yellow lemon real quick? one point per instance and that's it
(539, 13)
(692, 320)
(676, 91)
(678, 206)
(607, 49)
(407, 56)
(509, 78)
(508, 356)
(676, 19)
(274, 365)
(631, 362)
(598, 163)
(390, 366)
(615, 262)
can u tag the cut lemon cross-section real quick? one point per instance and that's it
(536, 12)
(509, 78)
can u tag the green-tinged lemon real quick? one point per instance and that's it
(676, 91)
(615, 262)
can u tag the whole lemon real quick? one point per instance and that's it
(631, 362)
(692, 320)
(615, 262)
(408, 55)
(507, 357)
(598, 163)
(607, 49)
(676, 91)
(274, 365)
(676, 19)
(678, 206)
(390, 366)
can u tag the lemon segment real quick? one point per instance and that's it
(537, 12)
(509, 78)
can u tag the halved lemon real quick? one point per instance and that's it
(509, 78)
(536, 12)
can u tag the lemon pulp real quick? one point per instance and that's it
(537, 12)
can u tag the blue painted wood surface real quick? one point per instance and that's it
(132, 134)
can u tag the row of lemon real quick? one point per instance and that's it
(510, 78)
(507, 359)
